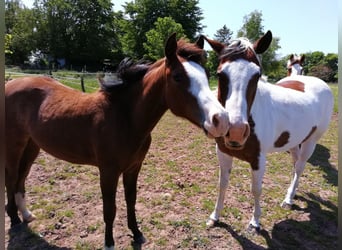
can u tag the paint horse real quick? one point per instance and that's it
(295, 65)
(110, 129)
(289, 116)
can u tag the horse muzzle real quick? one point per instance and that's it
(217, 125)
(237, 136)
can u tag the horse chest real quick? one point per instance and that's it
(250, 153)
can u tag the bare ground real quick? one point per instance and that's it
(176, 193)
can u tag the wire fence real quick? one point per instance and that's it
(84, 81)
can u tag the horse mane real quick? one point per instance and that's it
(128, 72)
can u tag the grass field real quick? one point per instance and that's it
(177, 190)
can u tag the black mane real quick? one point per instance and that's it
(128, 72)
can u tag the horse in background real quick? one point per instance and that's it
(264, 118)
(295, 65)
(110, 129)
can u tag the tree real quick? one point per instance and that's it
(141, 15)
(321, 66)
(80, 31)
(252, 29)
(223, 35)
(313, 59)
(8, 41)
(156, 37)
(20, 24)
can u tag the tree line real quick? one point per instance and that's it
(76, 33)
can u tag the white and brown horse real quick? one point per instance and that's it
(295, 65)
(289, 116)
(110, 129)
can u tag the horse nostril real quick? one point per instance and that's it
(234, 144)
(216, 120)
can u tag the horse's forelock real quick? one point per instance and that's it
(239, 48)
(190, 51)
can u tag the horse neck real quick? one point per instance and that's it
(151, 105)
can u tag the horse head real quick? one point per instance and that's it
(295, 65)
(187, 90)
(238, 74)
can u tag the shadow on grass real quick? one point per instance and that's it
(245, 241)
(22, 237)
(320, 158)
(319, 232)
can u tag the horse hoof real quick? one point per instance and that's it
(15, 222)
(286, 206)
(140, 239)
(17, 228)
(211, 223)
(29, 218)
(108, 248)
(253, 229)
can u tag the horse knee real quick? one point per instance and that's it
(299, 167)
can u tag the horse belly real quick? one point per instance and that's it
(67, 142)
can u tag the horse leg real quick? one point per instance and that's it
(226, 163)
(14, 152)
(302, 155)
(256, 188)
(108, 183)
(30, 154)
(11, 207)
(130, 185)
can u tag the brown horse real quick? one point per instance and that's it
(110, 129)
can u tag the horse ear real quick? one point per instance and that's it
(291, 57)
(302, 58)
(171, 47)
(200, 42)
(215, 45)
(262, 44)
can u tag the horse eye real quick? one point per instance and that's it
(178, 77)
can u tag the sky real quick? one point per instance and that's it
(302, 25)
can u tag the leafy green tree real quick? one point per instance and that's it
(223, 35)
(140, 16)
(253, 29)
(8, 41)
(313, 59)
(321, 66)
(82, 31)
(156, 37)
(20, 24)
(331, 60)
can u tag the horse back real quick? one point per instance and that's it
(60, 120)
(296, 109)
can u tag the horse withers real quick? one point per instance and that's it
(291, 115)
(110, 129)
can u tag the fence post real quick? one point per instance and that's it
(82, 82)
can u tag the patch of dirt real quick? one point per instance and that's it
(177, 190)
